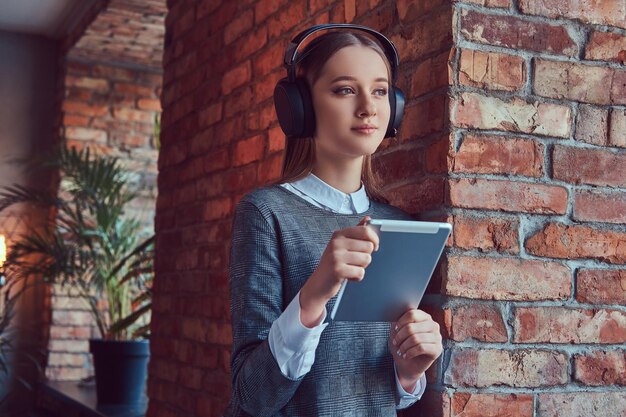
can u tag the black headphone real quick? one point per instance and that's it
(292, 98)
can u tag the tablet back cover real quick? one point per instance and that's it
(395, 280)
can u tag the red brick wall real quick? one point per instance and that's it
(531, 287)
(110, 109)
(537, 167)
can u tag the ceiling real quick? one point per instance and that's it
(50, 18)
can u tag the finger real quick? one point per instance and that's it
(413, 315)
(362, 233)
(351, 272)
(418, 339)
(433, 350)
(357, 245)
(414, 328)
(357, 259)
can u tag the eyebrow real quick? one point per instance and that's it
(350, 78)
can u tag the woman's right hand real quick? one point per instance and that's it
(346, 256)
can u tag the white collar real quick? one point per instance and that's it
(329, 196)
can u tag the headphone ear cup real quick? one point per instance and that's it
(396, 101)
(294, 108)
(289, 108)
(308, 119)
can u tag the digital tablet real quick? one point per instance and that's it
(398, 274)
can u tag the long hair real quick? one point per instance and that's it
(299, 155)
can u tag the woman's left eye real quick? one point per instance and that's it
(380, 92)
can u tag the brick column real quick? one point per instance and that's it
(536, 173)
(513, 132)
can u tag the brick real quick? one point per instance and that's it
(149, 104)
(409, 10)
(603, 12)
(506, 279)
(486, 234)
(399, 165)
(66, 374)
(490, 3)
(430, 75)
(69, 317)
(476, 111)
(589, 166)
(77, 107)
(67, 359)
(605, 46)
(277, 140)
(418, 196)
(264, 89)
(69, 346)
(217, 209)
(499, 155)
(237, 26)
(236, 77)
(479, 322)
(210, 115)
(113, 73)
(437, 29)
(592, 125)
(133, 115)
(423, 118)
(582, 404)
(514, 368)
(491, 70)
(579, 82)
(249, 150)
(268, 60)
(135, 89)
(287, 18)
(270, 169)
(86, 134)
(440, 155)
(516, 33)
(508, 196)
(568, 325)
(599, 206)
(75, 120)
(250, 43)
(601, 286)
(601, 368)
(264, 8)
(617, 131)
(557, 240)
(100, 85)
(465, 404)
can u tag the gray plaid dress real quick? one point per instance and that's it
(277, 241)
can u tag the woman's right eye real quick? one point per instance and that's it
(344, 91)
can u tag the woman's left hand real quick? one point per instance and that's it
(415, 343)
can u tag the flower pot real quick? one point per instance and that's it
(120, 368)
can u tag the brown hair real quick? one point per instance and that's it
(299, 155)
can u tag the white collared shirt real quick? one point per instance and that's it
(292, 344)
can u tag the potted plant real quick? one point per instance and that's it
(90, 246)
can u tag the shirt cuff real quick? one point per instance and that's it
(406, 399)
(293, 344)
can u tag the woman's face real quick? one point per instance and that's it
(351, 103)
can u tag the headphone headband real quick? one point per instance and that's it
(292, 49)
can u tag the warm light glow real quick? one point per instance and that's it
(3, 251)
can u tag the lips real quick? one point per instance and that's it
(365, 128)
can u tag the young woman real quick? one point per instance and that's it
(294, 242)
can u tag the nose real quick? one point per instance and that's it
(366, 107)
